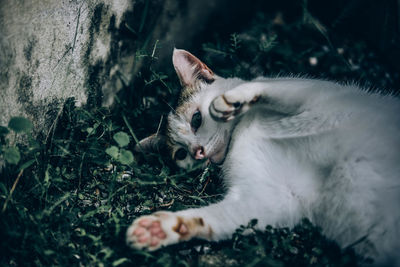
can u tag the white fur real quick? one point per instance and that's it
(315, 149)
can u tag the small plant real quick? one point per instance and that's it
(235, 43)
(120, 154)
(267, 43)
(9, 151)
(13, 154)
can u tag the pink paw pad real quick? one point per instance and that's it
(139, 231)
(149, 232)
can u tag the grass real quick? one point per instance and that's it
(69, 199)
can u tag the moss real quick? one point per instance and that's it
(97, 17)
(28, 49)
(24, 89)
(103, 22)
(94, 28)
(8, 59)
(93, 84)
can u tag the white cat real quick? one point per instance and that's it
(288, 148)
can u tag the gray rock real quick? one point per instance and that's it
(51, 51)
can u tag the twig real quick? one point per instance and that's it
(154, 49)
(130, 28)
(130, 128)
(80, 170)
(204, 187)
(12, 190)
(168, 204)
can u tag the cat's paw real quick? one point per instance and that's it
(161, 229)
(229, 105)
(152, 231)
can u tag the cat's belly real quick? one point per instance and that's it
(347, 198)
(266, 174)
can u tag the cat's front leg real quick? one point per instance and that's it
(164, 228)
(234, 102)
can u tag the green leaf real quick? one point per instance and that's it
(125, 157)
(12, 155)
(120, 261)
(199, 199)
(107, 252)
(89, 130)
(3, 130)
(26, 164)
(112, 151)
(20, 124)
(48, 252)
(121, 138)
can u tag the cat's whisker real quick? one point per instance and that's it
(159, 124)
(174, 111)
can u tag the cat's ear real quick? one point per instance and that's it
(190, 69)
(153, 143)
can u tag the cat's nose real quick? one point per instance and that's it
(199, 153)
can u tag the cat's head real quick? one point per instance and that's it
(192, 135)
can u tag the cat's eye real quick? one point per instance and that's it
(180, 154)
(195, 123)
